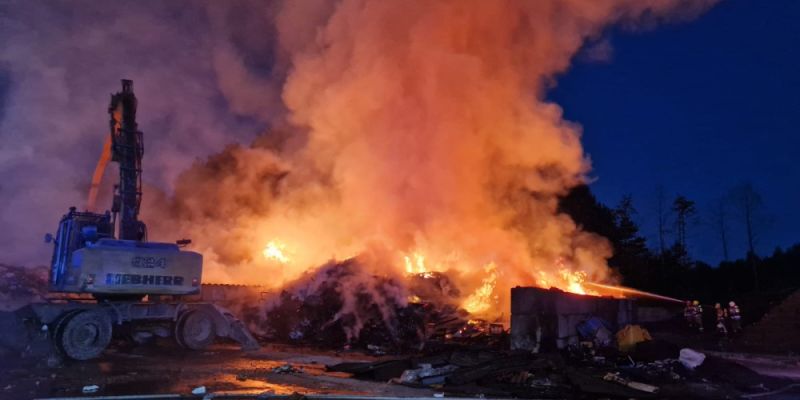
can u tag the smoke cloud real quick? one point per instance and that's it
(427, 143)
(415, 134)
(59, 61)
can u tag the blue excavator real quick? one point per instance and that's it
(113, 277)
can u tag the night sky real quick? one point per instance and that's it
(697, 108)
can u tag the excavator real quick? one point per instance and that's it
(113, 277)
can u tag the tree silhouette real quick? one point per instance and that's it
(683, 208)
(749, 205)
(670, 272)
(662, 213)
(718, 220)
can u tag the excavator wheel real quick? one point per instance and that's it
(84, 335)
(195, 330)
(59, 326)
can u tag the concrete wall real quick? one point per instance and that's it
(547, 319)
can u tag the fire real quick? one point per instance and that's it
(413, 299)
(415, 264)
(478, 302)
(481, 300)
(275, 251)
(426, 143)
(574, 280)
(485, 299)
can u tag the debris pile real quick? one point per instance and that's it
(474, 332)
(581, 369)
(778, 330)
(22, 285)
(286, 369)
(243, 301)
(341, 306)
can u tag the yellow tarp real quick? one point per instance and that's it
(628, 336)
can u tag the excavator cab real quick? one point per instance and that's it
(76, 230)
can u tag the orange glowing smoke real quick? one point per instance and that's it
(102, 162)
(99, 170)
(426, 144)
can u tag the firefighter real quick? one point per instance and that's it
(735, 317)
(722, 314)
(688, 313)
(698, 315)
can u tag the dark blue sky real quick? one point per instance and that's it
(698, 107)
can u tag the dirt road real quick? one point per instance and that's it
(160, 369)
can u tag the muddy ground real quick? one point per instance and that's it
(162, 369)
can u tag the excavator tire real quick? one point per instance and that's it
(195, 330)
(84, 335)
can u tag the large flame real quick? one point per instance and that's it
(422, 141)
(276, 251)
(415, 264)
(481, 300)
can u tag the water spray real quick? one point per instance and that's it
(625, 292)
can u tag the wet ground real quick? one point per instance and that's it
(161, 368)
(164, 370)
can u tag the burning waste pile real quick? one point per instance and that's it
(341, 305)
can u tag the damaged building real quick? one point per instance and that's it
(550, 319)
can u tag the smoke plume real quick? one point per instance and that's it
(415, 134)
(427, 143)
